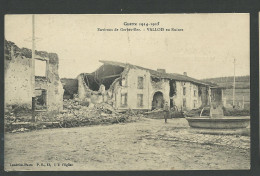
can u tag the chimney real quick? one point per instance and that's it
(161, 70)
(185, 73)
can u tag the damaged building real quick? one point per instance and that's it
(127, 86)
(19, 87)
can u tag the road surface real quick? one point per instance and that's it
(149, 144)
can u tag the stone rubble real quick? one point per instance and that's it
(79, 113)
(75, 113)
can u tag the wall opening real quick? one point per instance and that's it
(124, 100)
(140, 82)
(158, 101)
(195, 104)
(41, 99)
(184, 90)
(172, 91)
(184, 105)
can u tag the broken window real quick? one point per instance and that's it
(140, 84)
(40, 68)
(140, 100)
(184, 90)
(41, 99)
(124, 99)
(184, 102)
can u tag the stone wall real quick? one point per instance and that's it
(18, 71)
(93, 97)
(126, 89)
(18, 88)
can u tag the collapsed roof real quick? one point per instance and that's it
(172, 76)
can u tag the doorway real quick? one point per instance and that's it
(158, 101)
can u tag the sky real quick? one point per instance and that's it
(206, 47)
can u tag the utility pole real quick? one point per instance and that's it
(33, 70)
(234, 83)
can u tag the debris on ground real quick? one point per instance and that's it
(20, 130)
(75, 113)
(79, 113)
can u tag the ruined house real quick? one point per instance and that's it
(18, 79)
(127, 86)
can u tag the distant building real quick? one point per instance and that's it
(127, 86)
(242, 90)
(18, 79)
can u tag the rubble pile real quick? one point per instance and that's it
(17, 114)
(81, 113)
(75, 113)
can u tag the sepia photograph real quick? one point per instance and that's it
(109, 92)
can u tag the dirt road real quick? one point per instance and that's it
(144, 145)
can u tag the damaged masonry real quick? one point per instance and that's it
(127, 86)
(121, 85)
(18, 79)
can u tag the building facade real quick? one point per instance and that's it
(127, 86)
(19, 86)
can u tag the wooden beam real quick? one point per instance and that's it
(110, 76)
(41, 58)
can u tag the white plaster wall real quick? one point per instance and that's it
(132, 90)
(190, 87)
(55, 90)
(132, 83)
(18, 89)
(131, 77)
(162, 86)
(117, 95)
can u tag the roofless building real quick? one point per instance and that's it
(125, 86)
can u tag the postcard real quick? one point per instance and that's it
(95, 92)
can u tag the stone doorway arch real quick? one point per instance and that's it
(158, 100)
